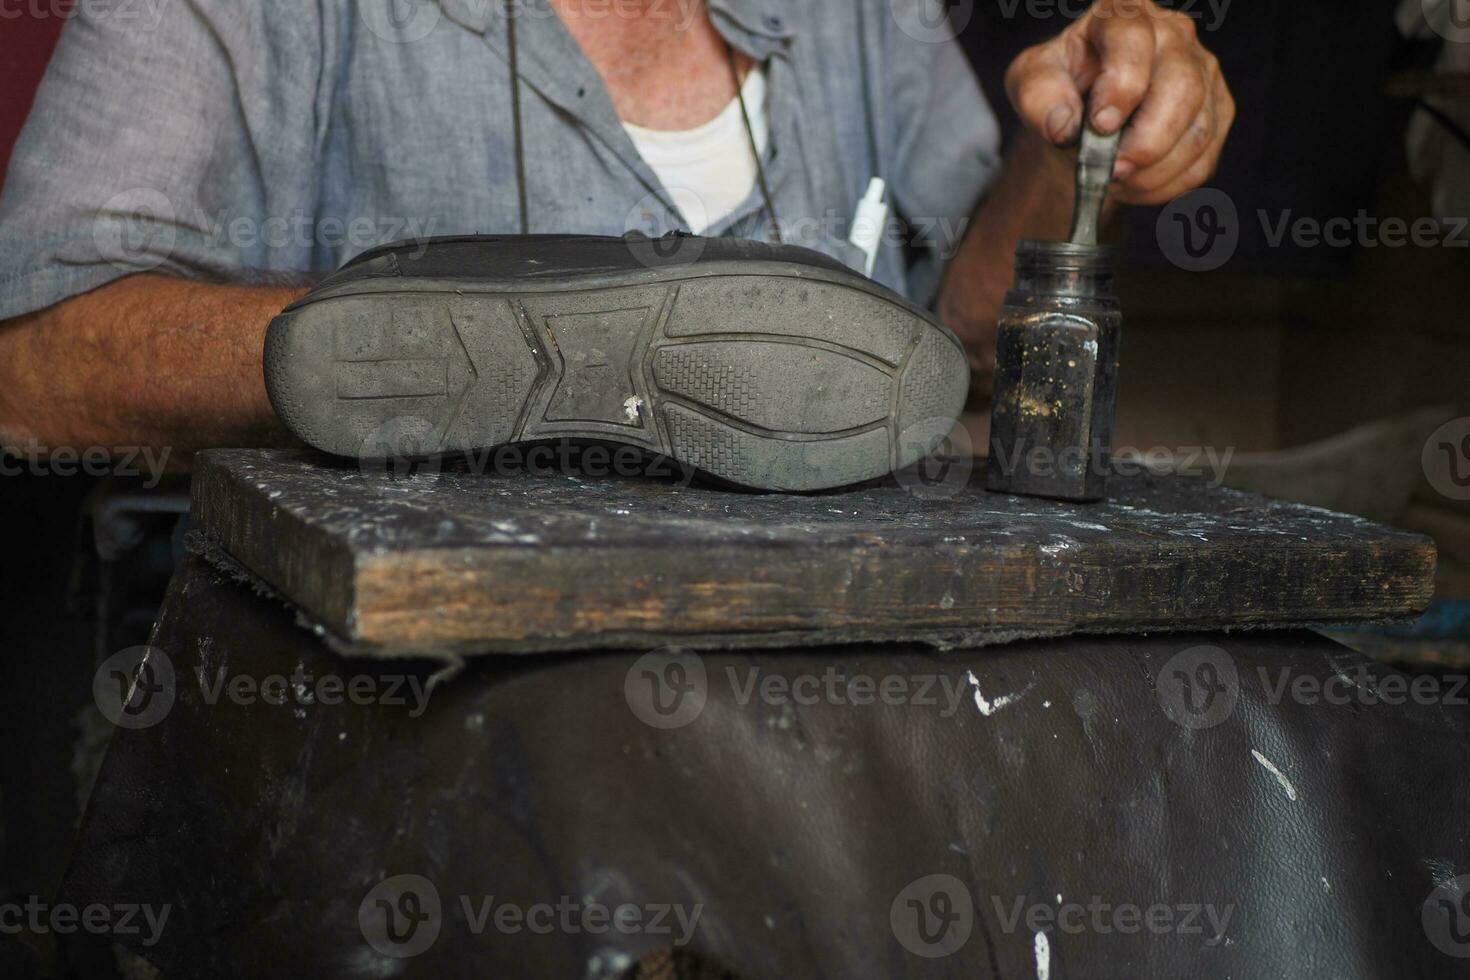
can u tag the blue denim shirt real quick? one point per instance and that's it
(247, 140)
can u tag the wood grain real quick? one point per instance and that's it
(456, 562)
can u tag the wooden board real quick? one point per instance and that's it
(450, 563)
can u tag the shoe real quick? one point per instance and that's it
(768, 366)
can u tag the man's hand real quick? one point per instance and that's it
(1137, 60)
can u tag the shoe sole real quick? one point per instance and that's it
(770, 375)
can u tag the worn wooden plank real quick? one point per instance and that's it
(457, 562)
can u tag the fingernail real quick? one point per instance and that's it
(1124, 169)
(1107, 119)
(1059, 123)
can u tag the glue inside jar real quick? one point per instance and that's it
(1056, 374)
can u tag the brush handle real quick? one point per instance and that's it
(1095, 161)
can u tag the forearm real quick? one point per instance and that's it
(149, 360)
(1032, 198)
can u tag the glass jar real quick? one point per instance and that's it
(1051, 424)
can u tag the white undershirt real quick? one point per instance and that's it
(708, 171)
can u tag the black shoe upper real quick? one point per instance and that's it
(502, 257)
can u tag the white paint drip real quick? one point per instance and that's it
(1043, 957)
(988, 708)
(1271, 768)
